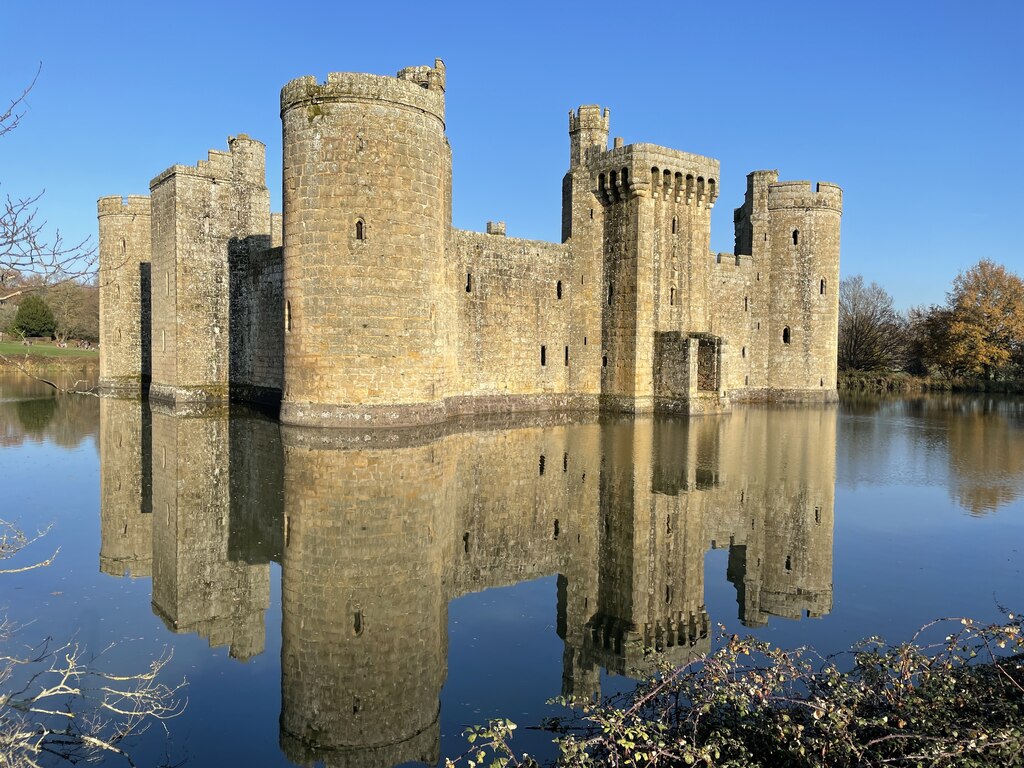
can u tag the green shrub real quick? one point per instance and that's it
(953, 696)
(34, 318)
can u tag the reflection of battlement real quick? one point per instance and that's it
(196, 586)
(126, 525)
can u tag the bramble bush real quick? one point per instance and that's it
(952, 696)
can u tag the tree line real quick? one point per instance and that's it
(978, 334)
(64, 311)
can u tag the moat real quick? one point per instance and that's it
(359, 602)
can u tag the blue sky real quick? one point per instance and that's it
(915, 109)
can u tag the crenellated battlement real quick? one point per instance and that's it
(118, 205)
(590, 117)
(418, 88)
(244, 161)
(730, 261)
(798, 194)
(432, 78)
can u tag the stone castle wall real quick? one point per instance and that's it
(208, 220)
(361, 305)
(518, 337)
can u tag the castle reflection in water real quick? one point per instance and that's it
(375, 534)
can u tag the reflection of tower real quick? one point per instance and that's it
(364, 640)
(196, 587)
(781, 554)
(651, 593)
(126, 525)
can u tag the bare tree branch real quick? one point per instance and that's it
(56, 703)
(25, 246)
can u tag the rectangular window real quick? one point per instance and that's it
(543, 355)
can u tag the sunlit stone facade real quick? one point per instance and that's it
(375, 311)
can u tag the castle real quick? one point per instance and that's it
(361, 305)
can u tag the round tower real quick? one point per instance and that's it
(124, 280)
(367, 177)
(802, 337)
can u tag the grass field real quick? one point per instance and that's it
(18, 350)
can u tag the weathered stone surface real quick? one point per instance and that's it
(124, 280)
(361, 306)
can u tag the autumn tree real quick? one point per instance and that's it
(927, 340)
(871, 331)
(986, 321)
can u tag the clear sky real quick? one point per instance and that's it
(914, 108)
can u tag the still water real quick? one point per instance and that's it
(360, 600)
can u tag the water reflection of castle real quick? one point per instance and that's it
(375, 538)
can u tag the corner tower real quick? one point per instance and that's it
(208, 220)
(803, 325)
(125, 252)
(367, 190)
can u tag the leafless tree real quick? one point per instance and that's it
(27, 246)
(872, 334)
(59, 705)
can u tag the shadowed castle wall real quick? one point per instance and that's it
(124, 283)
(126, 522)
(196, 586)
(207, 219)
(256, 345)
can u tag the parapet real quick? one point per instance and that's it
(729, 261)
(431, 78)
(418, 88)
(244, 161)
(496, 228)
(132, 205)
(798, 194)
(647, 169)
(589, 117)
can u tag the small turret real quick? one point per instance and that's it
(588, 127)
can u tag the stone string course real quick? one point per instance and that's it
(361, 306)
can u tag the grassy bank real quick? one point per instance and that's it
(46, 357)
(905, 383)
